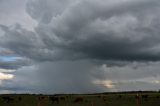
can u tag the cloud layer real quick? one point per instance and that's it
(77, 42)
(124, 30)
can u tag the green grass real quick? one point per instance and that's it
(104, 99)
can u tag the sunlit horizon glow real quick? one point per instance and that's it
(7, 70)
(4, 76)
(107, 83)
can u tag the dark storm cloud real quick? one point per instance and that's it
(18, 63)
(107, 33)
(43, 11)
(55, 77)
(131, 71)
(136, 86)
(95, 34)
(81, 77)
(76, 41)
(13, 88)
(68, 76)
(103, 30)
(22, 42)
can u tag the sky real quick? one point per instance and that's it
(79, 46)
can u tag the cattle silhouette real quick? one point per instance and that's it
(7, 99)
(78, 99)
(54, 99)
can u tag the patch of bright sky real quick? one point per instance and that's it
(107, 83)
(9, 58)
(4, 76)
(5, 91)
(6, 70)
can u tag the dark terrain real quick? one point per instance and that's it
(101, 99)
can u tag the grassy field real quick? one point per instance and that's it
(104, 99)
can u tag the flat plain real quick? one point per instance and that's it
(101, 99)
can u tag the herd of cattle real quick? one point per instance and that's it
(58, 99)
(53, 99)
(9, 99)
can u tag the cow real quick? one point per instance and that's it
(62, 98)
(54, 99)
(7, 99)
(104, 98)
(41, 98)
(137, 100)
(157, 96)
(145, 96)
(19, 98)
(119, 96)
(78, 99)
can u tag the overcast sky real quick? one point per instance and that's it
(79, 46)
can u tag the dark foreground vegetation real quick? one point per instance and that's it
(101, 99)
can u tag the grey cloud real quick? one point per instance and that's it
(136, 86)
(133, 76)
(72, 77)
(13, 12)
(69, 32)
(56, 77)
(13, 88)
(43, 11)
(22, 42)
(127, 31)
(5, 52)
(118, 32)
(79, 77)
(18, 63)
(131, 71)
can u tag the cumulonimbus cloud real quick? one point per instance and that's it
(125, 30)
(112, 32)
